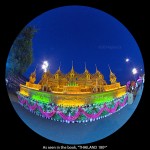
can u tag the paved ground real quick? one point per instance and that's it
(77, 133)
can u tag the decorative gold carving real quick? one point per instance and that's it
(73, 82)
(112, 76)
(32, 78)
(31, 82)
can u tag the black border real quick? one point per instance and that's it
(15, 15)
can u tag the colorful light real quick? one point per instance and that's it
(127, 59)
(134, 71)
(66, 118)
(45, 66)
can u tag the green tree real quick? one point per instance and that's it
(20, 55)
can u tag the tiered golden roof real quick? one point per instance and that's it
(87, 82)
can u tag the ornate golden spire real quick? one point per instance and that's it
(111, 73)
(35, 69)
(72, 69)
(112, 76)
(97, 71)
(32, 77)
(59, 66)
(109, 69)
(96, 68)
(58, 71)
(85, 68)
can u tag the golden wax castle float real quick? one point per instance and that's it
(73, 97)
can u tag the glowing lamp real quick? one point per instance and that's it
(134, 71)
(45, 66)
(127, 59)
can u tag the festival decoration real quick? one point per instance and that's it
(73, 98)
(82, 114)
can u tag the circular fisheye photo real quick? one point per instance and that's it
(75, 75)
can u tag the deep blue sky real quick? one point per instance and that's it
(84, 34)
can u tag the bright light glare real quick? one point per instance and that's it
(45, 66)
(134, 71)
(127, 59)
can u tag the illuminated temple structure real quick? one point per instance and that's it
(75, 83)
(73, 89)
(84, 96)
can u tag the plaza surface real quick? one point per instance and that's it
(77, 133)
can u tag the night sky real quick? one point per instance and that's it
(84, 34)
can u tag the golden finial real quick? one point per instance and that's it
(96, 68)
(35, 68)
(72, 65)
(59, 66)
(112, 76)
(85, 66)
(109, 68)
